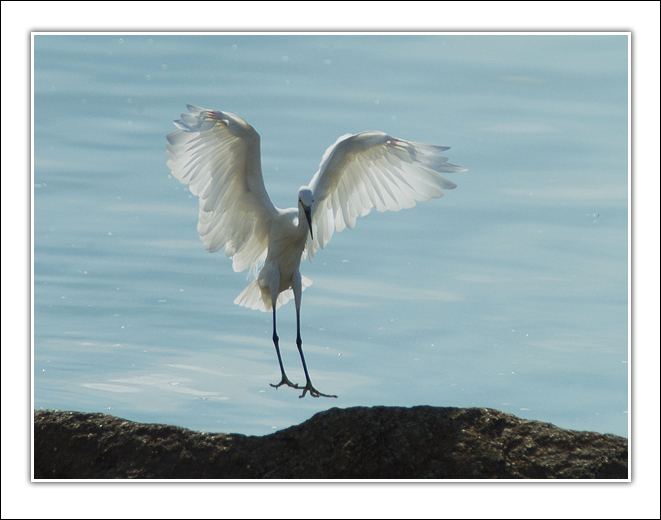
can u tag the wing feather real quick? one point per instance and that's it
(373, 170)
(218, 155)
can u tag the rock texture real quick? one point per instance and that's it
(422, 442)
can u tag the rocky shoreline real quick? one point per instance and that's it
(422, 442)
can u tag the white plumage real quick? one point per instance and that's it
(373, 170)
(218, 155)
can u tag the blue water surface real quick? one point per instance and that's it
(510, 292)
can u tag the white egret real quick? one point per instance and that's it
(218, 155)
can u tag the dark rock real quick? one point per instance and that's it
(423, 442)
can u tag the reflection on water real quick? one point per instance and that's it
(509, 292)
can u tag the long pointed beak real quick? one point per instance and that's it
(308, 216)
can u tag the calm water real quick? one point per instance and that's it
(510, 292)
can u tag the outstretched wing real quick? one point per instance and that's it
(217, 154)
(373, 170)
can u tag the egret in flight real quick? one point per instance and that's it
(217, 154)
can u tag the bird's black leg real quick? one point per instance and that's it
(285, 380)
(299, 343)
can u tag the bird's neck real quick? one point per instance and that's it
(302, 223)
(303, 226)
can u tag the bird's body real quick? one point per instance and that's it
(218, 155)
(287, 238)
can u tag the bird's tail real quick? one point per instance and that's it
(254, 297)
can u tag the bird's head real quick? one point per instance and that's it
(305, 200)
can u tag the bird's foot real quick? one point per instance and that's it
(313, 391)
(285, 381)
